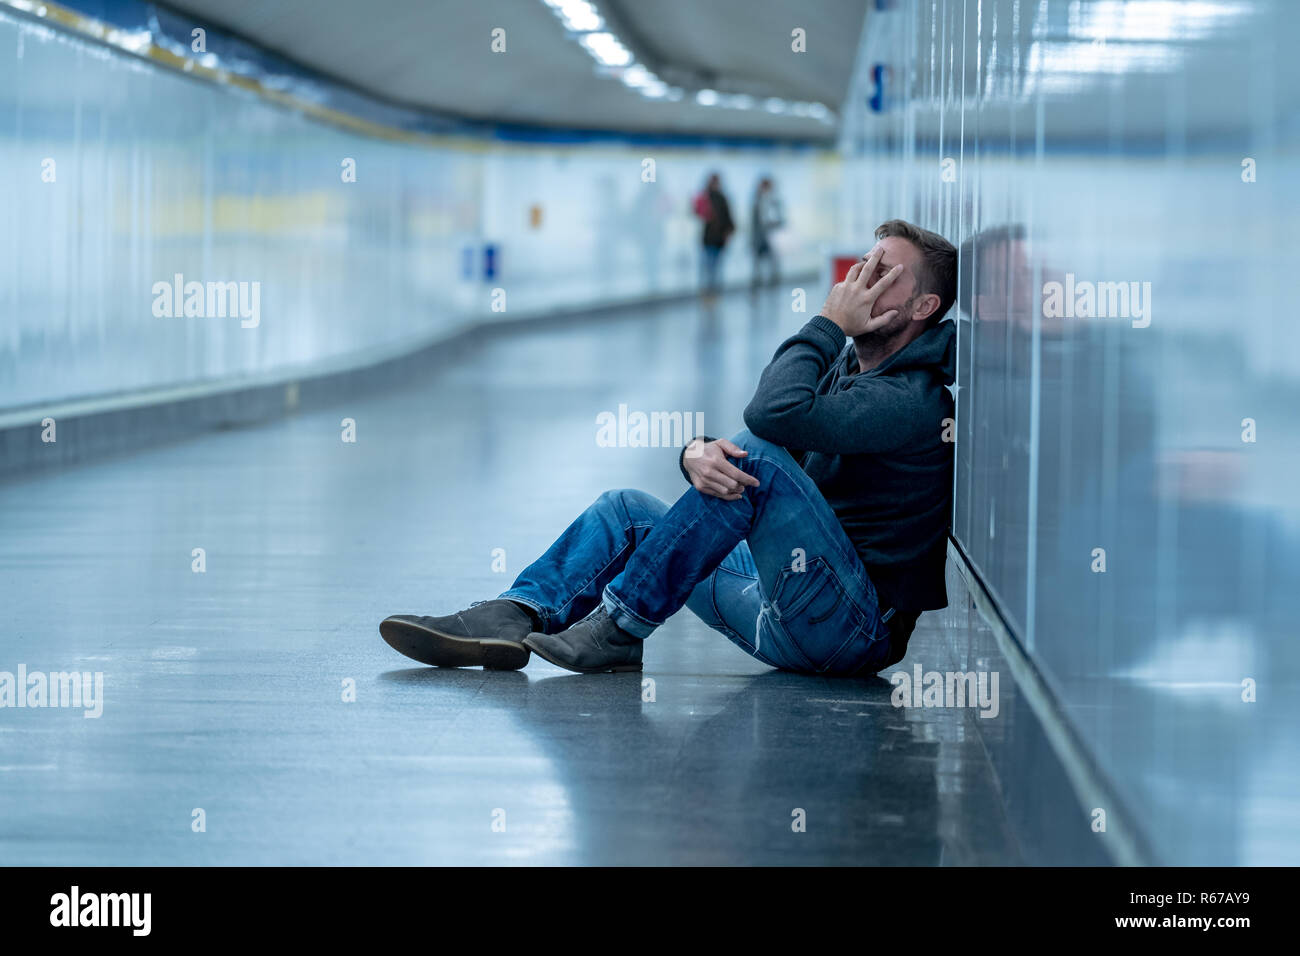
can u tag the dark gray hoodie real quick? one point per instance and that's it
(873, 442)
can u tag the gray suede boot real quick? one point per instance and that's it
(486, 634)
(594, 645)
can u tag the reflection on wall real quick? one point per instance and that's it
(119, 175)
(1120, 176)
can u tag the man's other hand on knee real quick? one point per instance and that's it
(712, 474)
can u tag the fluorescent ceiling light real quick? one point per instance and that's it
(637, 75)
(606, 48)
(585, 24)
(579, 15)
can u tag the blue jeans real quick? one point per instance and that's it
(710, 260)
(773, 570)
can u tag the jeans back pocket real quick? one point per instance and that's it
(814, 612)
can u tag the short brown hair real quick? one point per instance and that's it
(937, 270)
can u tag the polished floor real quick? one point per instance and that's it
(227, 734)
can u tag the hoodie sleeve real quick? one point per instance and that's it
(874, 414)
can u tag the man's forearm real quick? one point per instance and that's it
(789, 383)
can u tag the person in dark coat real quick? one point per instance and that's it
(713, 208)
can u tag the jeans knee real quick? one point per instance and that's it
(632, 502)
(753, 444)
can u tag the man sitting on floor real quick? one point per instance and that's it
(813, 540)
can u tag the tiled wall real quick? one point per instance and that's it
(1123, 480)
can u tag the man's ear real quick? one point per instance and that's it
(926, 307)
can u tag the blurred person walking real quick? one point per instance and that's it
(766, 217)
(712, 207)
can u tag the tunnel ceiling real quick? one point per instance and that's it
(435, 54)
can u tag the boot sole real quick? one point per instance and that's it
(443, 650)
(615, 669)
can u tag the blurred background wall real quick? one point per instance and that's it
(1121, 467)
(156, 174)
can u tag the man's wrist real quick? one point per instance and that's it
(681, 459)
(830, 326)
